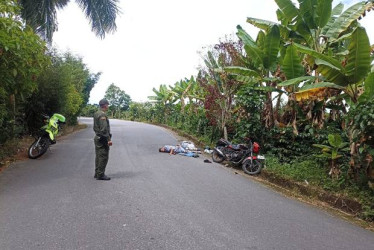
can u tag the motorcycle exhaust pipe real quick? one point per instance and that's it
(220, 152)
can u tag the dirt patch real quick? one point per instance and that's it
(345, 204)
(20, 146)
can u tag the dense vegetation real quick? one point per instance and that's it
(303, 88)
(35, 80)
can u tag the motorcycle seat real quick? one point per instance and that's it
(236, 146)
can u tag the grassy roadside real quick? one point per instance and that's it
(16, 149)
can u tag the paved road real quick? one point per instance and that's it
(154, 201)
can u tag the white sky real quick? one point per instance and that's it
(157, 42)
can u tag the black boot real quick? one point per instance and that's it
(103, 178)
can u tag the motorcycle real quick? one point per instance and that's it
(245, 155)
(46, 136)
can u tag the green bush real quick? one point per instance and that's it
(309, 169)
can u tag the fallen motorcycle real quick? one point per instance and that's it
(46, 136)
(245, 155)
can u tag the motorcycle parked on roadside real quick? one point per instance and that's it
(46, 135)
(245, 155)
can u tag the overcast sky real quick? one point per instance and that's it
(157, 42)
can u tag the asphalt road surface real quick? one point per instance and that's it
(154, 201)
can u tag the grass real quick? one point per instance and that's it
(314, 172)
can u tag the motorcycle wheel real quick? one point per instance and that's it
(35, 150)
(216, 157)
(251, 167)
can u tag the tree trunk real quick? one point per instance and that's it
(334, 170)
(276, 110)
(225, 133)
(268, 112)
(12, 100)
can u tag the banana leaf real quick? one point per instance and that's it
(315, 54)
(270, 79)
(343, 37)
(308, 9)
(260, 23)
(293, 35)
(323, 62)
(281, 17)
(288, 9)
(241, 71)
(369, 89)
(347, 18)
(246, 79)
(336, 11)
(271, 49)
(260, 40)
(315, 91)
(359, 56)
(207, 63)
(302, 28)
(335, 140)
(320, 85)
(266, 25)
(333, 75)
(250, 46)
(291, 65)
(212, 61)
(343, 53)
(323, 12)
(297, 81)
(245, 37)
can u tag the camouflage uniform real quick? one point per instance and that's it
(102, 131)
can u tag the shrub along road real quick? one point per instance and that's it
(154, 201)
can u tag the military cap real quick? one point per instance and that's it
(103, 102)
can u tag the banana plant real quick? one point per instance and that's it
(324, 31)
(360, 129)
(262, 58)
(182, 90)
(333, 151)
(316, 29)
(178, 91)
(347, 73)
(163, 97)
(314, 23)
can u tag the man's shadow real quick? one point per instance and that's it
(127, 174)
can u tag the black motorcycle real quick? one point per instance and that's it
(239, 154)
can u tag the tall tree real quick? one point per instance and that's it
(22, 59)
(41, 15)
(118, 99)
(220, 87)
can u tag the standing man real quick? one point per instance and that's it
(103, 140)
